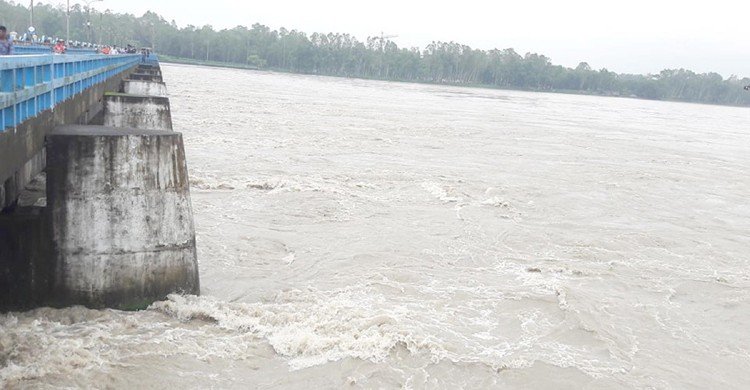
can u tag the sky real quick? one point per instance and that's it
(635, 36)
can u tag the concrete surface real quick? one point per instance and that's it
(144, 87)
(21, 155)
(121, 217)
(137, 111)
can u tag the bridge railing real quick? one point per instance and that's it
(42, 49)
(30, 84)
(152, 59)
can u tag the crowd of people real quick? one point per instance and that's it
(129, 49)
(59, 46)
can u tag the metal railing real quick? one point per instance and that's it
(30, 84)
(43, 49)
(152, 59)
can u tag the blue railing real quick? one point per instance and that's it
(152, 59)
(36, 49)
(42, 49)
(30, 84)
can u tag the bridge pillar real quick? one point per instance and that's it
(144, 87)
(149, 76)
(122, 224)
(137, 111)
(149, 70)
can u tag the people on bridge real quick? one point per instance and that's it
(60, 47)
(6, 44)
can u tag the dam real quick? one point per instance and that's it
(94, 188)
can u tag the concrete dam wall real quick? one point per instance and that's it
(108, 223)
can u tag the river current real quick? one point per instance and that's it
(366, 234)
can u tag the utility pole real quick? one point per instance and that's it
(31, 10)
(208, 48)
(88, 14)
(153, 38)
(101, 27)
(67, 26)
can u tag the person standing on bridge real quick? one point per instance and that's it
(6, 44)
(60, 47)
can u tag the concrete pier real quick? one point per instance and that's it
(26, 264)
(122, 225)
(144, 87)
(137, 111)
(146, 76)
(152, 70)
(110, 223)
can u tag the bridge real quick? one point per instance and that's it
(42, 49)
(93, 183)
(38, 92)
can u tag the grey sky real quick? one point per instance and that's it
(637, 36)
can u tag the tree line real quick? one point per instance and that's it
(335, 54)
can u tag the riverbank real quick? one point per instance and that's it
(217, 64)
(189, 61)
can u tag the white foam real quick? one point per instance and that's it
(440, 192)
(306, 327)
(495, 202)
(289, 259)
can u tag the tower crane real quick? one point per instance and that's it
(383, 38)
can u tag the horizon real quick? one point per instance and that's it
(643, 38)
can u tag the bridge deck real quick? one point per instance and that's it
(30, 84)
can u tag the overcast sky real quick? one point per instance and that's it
(636, 36)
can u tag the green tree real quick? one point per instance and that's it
(337, 54)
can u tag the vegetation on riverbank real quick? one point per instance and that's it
(190, 61)
(333, 54)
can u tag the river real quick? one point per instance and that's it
(366, 234)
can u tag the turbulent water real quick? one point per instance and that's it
(366, 234)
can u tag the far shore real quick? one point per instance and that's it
(167, 59)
